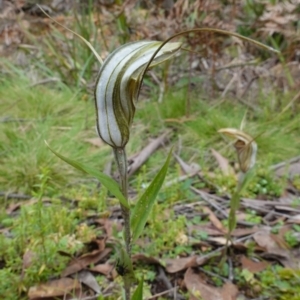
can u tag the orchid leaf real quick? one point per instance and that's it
(145, 204)
(138, 293)
(108, 182)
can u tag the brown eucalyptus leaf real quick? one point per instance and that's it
(80, 263)
(89, 280)
(253, 266)
(229, 291)
(223, 163)
(178, 264)
(54, 288)
(199, 288)
(213, 218)
(104, 269)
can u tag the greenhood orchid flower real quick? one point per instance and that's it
(245, 146)
(118, 86)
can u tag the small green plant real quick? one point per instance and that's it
(246, 149)
(279, 281)
(116, 94)
(291, 238)
(251, 216)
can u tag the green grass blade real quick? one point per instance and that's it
(144, 205)
(108, 182)
(138, 293)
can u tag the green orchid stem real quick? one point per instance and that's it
(121, 158)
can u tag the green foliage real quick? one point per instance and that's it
(170, 243)
(285, 285)
(143, 207)
(291, 239)
(66, 119)
(107, 181)
(37, 234)
(138, 293)
(35, 114)
(265, 183)
(252, 217)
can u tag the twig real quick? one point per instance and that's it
(212, 203)
(95, 297)
(43, 81)
(181, 178)
(213, 253)
(230, 271)
(162, 293)
(207, 198)
(8, 120)
(267, 210)
(162, 276)
(232, 80)
(14, 196)
(161, 85)
(282, 164)
(212, 274)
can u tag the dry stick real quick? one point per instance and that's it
(162, 275)
(267, 211)
(212, 274)
(213, 253)
(282, 164)
(8, 195)
(205, 196)
(95, 297)
(43, 81)
(161, 85)
(162, 293)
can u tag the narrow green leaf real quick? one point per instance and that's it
(138, 293)
(144, 205)
(108, 182)
(124, 265)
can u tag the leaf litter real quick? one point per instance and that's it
(269, 248)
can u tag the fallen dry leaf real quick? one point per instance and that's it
(253, 266)
(55, 288)
(264, 239)
(229, 291)
(209, 229)
(290, 168)
(223, 163)
(239, 232)
(15, 206)
(77, 264)
(28, 258)
(294, 220)
(89, 280)
(213, 218)
(273, 249)
(186, 168)
(146, 259)
(200, 289)
(104, 269)
(178, 264)
(109, 225)
(219, 240)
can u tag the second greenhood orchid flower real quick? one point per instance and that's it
(118, 86)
